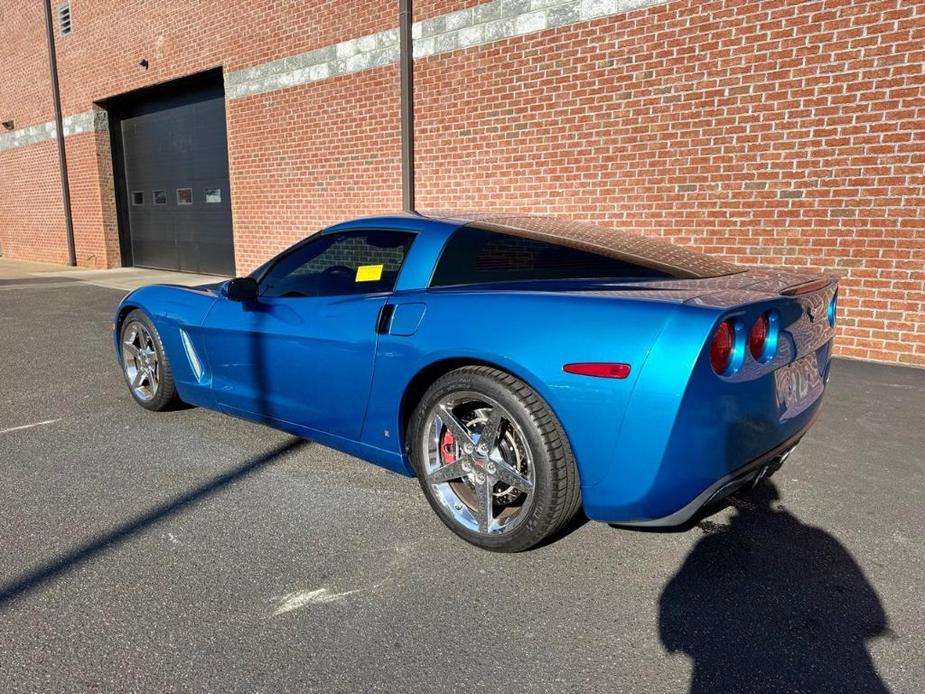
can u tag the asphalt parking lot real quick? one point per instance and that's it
(189, 551)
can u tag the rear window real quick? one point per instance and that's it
(476, 256)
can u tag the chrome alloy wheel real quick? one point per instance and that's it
(479, 464)
(139, 361)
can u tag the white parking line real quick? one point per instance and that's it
(29, 426)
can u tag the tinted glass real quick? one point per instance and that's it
(676, 261)
(474, 256)
(351, 263)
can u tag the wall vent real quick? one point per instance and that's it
(64, 17)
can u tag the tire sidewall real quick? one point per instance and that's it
(164, 392)
(524, 535)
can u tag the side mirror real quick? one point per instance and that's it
(241, 289)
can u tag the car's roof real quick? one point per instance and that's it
(655, 253)
(408, 220)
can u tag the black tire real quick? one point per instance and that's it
(556, 494)
(165, 397)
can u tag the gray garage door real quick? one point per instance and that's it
(173, 160)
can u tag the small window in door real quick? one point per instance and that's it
(160, 197)
(138, 197)
(359, 262)
(213, 196)
(184, 196)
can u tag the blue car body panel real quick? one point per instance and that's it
(177, 311)
(267, 357)
(646, 446)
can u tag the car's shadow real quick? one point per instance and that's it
(769, 604)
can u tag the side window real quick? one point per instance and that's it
(356, 262)
(474, 256)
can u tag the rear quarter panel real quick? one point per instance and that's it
(531, 335)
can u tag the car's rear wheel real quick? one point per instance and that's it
(144, 364)
(493, 459)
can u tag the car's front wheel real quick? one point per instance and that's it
(144, 364)
(493, 459)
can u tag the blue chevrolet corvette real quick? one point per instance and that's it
(521, 367)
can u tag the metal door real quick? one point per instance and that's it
(173, 152)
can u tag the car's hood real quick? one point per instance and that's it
(212, 288)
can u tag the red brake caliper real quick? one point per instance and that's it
(447, 448)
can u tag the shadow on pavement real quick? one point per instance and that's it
(770, 604)
(102, 543)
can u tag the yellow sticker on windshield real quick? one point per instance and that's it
(369, 273)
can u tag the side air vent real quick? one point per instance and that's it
(64, 17)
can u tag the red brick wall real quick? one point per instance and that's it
(24, 93)
(93, 203)
(779, 133)
(771, 132)
(425, 9)
(309, 156)
(31, 211)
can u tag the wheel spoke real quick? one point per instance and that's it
(457, 428)
(140, 361)
(492, 454)
(483, 505)
(509, 475)
(451, 471)
(491, 431)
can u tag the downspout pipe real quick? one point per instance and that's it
(59, 129)
(406, 72)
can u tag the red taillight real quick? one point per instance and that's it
(599, 369)
(721, 347)
(758, 337)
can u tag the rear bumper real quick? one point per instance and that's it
(688, 437)
(761, 466)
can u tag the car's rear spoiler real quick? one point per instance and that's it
(807, 287)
